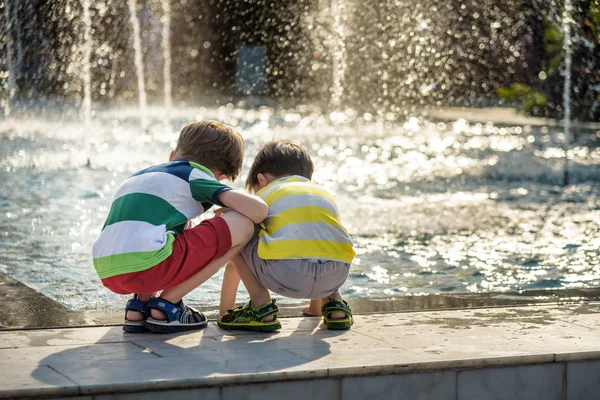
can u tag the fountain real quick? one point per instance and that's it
(87, 77)
(10, 59)
(139, 61)
(17, 21)
(86, 64)
(567, 86)
(166, 44)
(338, 53)
(435, 203)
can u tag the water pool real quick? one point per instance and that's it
(433, 207)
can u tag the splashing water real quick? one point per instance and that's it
(338, 50)
(139, 61)
(18, 35)
(86, 63)
(11, 62)
(567, 86)
(432, 207)
(166, 44)
(453, 204)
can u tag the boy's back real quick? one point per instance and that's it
(302, 250)
(303, 222)
(149, 208)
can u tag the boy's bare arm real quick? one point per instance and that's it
(252, 207)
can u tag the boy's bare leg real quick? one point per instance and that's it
(136, 315)
(313, 309)
(257, 292)
(259, 295)
(241, 229)
(335, 295)
(229, 287)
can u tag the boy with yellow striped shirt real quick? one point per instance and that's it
(301, 250)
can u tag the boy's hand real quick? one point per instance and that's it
(222, 211)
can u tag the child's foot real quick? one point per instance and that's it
(337, 314)
(313, 309)
(136, 312)
(178, 317)
(250, 318)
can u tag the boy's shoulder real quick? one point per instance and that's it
(283, 183)
(180, 168)
(179, 179)
(293, 185)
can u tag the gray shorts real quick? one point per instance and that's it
(296, 278)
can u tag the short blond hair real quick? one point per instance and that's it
(212, 144)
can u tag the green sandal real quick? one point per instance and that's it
(249, 318)
(336, 305)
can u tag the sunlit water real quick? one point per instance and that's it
(432, 207)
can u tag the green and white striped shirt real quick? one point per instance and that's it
(148, 210)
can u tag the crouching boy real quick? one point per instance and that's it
(144, 247)
(301, 251)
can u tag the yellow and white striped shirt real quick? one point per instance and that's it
(303, 222)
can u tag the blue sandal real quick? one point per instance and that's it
(179, 317)
(135, 304)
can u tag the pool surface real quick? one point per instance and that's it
(432, 207)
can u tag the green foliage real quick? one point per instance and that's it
(553, 43)
(594, 21)
(544, 95)
(525, 94)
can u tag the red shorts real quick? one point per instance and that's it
(193, 250)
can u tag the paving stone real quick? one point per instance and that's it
(583, 380)
(535, 342)
(74, 355)
(190, 372)
(232, 342)
(314, 390)
(533, 382)
(88, 335)
(427, 386)
(189, 394)
(30, 381)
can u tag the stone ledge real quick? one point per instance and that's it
(99, 361)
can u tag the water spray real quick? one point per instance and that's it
(567, 86)
(87, 75)
(19, 42)
(166, 44)
(10, 60)
(86, 63)
(338, 50)
(139, 61)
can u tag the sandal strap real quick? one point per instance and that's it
(336, 305)
(172, 311)
(250, 312)
(137, 305)
(268, 309)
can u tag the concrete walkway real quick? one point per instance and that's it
(535, 352)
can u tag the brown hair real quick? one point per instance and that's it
(280, 158)
(213, 145)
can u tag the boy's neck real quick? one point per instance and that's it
(218, 175)
(273, 178)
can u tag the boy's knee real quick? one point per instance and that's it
(241, 227)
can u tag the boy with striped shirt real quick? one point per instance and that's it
(301, 250)
(144, 247)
